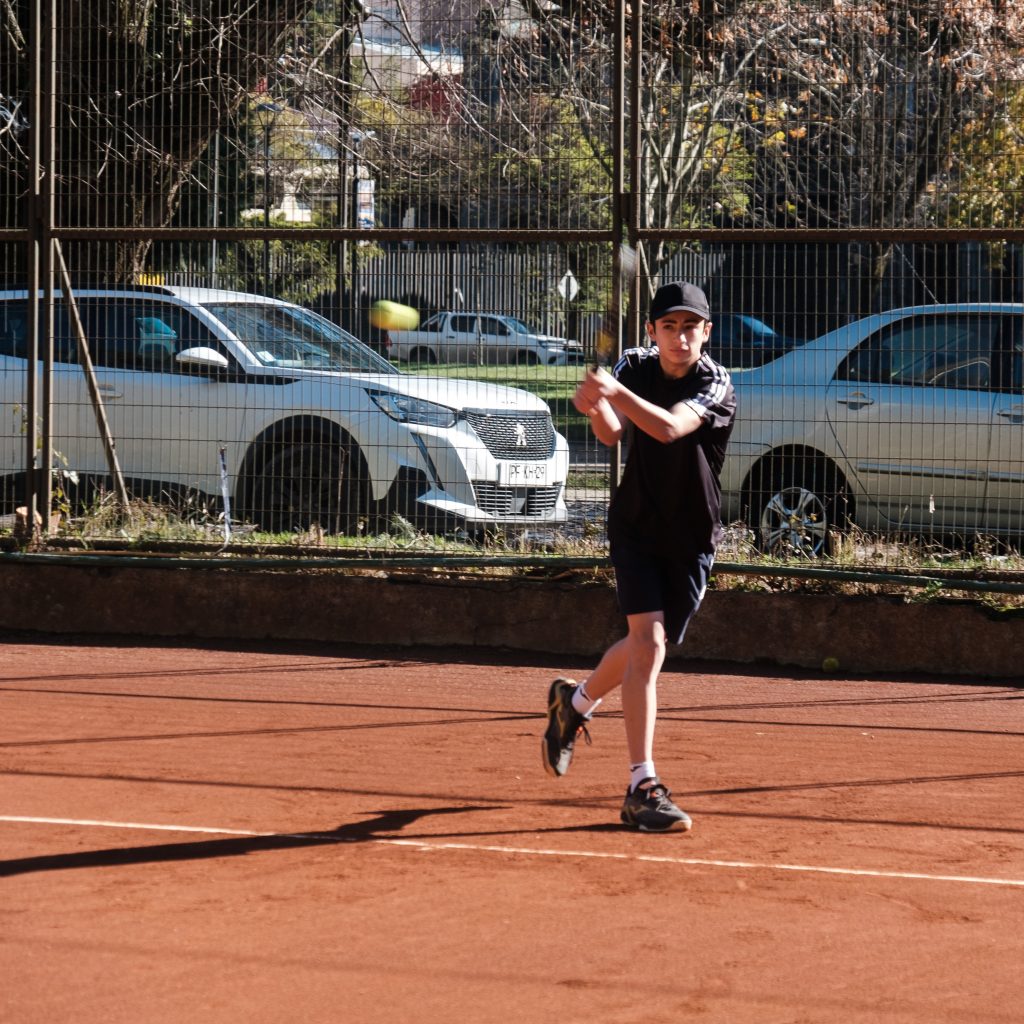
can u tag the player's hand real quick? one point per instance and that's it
(587, 394)
(591, 400)
(596, 385)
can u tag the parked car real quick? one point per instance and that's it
(480, 338)
(909, 422)
(316, 427)
(739, 340)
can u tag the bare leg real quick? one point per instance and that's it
(646, 643)
(610, 670)
(634, 663)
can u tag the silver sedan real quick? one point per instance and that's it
(908, 422)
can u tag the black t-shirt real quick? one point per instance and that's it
(669, 498)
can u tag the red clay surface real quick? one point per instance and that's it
(329, 834)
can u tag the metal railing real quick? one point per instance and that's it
(490, 165)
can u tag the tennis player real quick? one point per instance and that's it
(674, 405)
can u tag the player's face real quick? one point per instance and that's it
(680, 338)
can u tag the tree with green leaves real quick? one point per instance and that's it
(141, 89)
(852, 112)
(831, 116)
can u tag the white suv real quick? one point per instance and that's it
(315, 426)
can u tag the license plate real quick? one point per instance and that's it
(524, 474)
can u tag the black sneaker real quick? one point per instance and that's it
(565, 724)
(649, 808)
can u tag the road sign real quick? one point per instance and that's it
(568, 287)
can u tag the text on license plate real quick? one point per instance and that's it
(524, 474)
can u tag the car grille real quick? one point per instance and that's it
(525, 435)
(515, 501)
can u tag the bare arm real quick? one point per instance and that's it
(604, 421)
(608, 403)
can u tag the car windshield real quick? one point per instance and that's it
(295, 338)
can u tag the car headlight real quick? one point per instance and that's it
(406, 409)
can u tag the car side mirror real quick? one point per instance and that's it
(202, 358)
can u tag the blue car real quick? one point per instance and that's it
(739, 340)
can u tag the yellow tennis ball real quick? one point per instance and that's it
(830, 664)
(393, 316)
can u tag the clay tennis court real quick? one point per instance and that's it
(333, 834)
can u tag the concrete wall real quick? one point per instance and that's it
(866, 634)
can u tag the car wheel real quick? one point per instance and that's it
(796, 512)
(308, 484)
(423, 357)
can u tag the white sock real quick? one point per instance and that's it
(581, 700)
(639, 772)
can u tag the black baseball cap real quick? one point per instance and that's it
(679, 296)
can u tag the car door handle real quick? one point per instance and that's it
(857, 400)
(1015, 414)
(109, 391)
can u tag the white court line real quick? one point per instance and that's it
(87, 823)
(646, 858)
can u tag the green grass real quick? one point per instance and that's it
(549, 382)
(554, 384)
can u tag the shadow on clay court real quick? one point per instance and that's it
(378, 827)
(771, 815)
(297, 730)
(381, 827)
(725, 791)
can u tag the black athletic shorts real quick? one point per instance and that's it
(645, 582)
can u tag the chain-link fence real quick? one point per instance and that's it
(203, 204)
